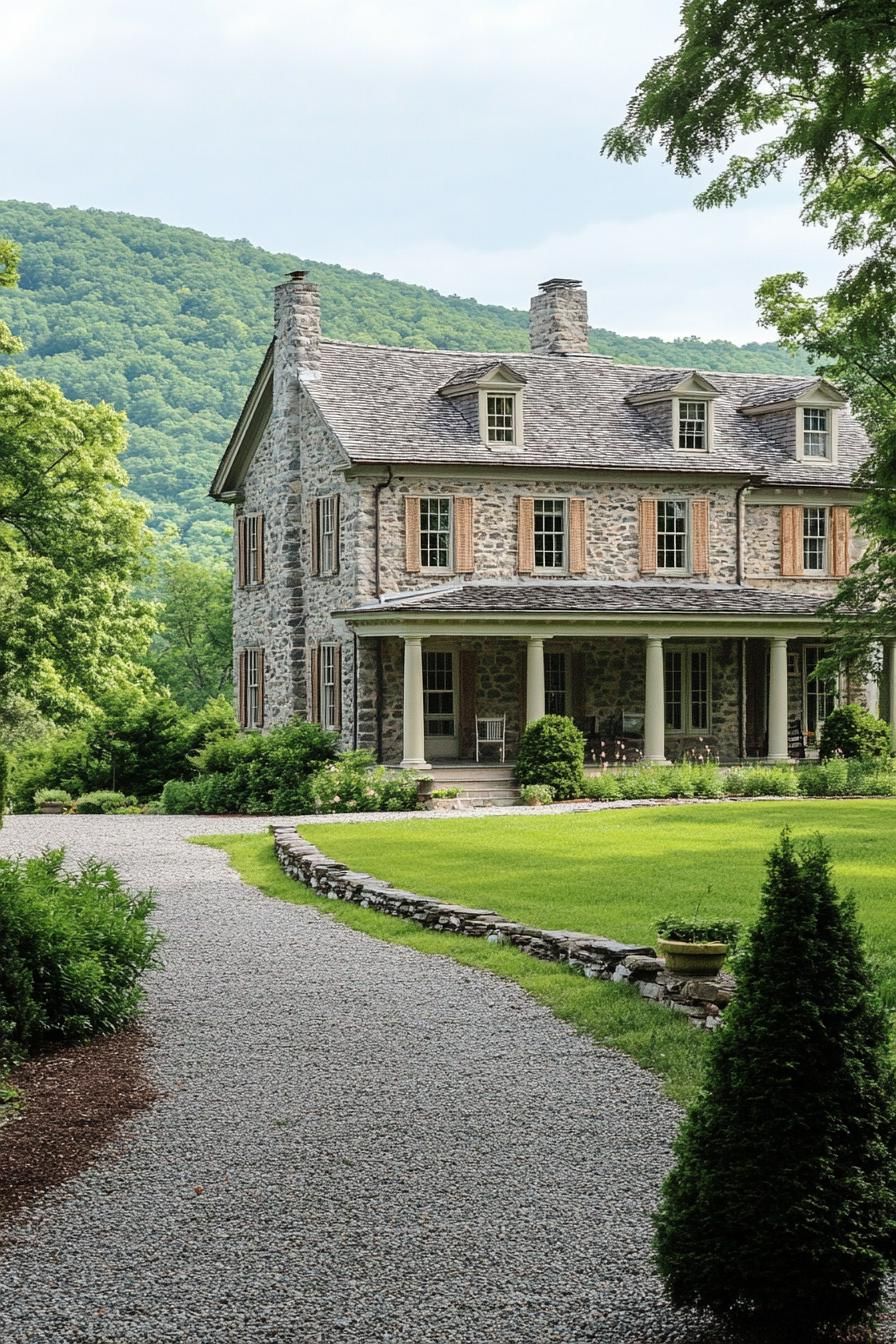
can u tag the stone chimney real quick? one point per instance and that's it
(558, 319)
(297, 327)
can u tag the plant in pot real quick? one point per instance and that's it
(52, 801)
(696, 946)
(445, 800)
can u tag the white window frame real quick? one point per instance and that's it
(562, 568)
(442, 501)
(830, 454)
(251, 543)
(813, 689)
(327, 536)
(682, 419)
(499, 389)
(824, 537)
(685, 567)
(328, 689)
(500, 421)
(561, 663)
(253, 688)
(688, 652)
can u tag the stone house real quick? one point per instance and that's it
(425, 537)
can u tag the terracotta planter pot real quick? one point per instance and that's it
(703, 960)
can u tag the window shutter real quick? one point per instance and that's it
(242, 688)
(337, 686)
(315, 536)
(647, 535)
(241, 567)
(839, 541)
(467, 702)
(315, 683)
(525, 535)
(700, 536)
(791, 541)
(412, 534)
(464, 559)
(577, 539)
(259, 703)
(336, 503)
(259, 548)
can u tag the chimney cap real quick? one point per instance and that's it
(547, 285)
(297, 275)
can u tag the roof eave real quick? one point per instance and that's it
(247, 432)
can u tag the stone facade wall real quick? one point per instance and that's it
(611, 510)
(701, 1001)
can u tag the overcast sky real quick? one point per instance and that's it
(456, 145)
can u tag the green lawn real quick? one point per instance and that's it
(615, 872)
(613, 1015)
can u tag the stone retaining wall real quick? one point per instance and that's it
(701, 1001)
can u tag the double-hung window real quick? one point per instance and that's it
(815, 541)
(250, 687)
(329, 691)
(688, 694)
(500, 416)
(549, 517)
(250, 549)
(672, 535)
(692, 425)
(819, 694)
(556, 684)
(327, 524)
(816, 431)
(435, 532)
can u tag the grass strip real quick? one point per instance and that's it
(612, 1015)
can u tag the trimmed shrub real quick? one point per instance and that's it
(552, 751)
(851, 731)
(536, 793)
(72, 949)
(782, 1200)
(762, 781)
(602, 788)
(354, 784)
(102, 800)
(180, 797)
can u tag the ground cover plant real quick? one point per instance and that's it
(613, 1015)
(614, 873)
(795, 1132)
(73, 946)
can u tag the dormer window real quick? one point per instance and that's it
(499, 417)
(816, 431)
(692, 422)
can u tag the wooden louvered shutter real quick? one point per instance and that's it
(647, 535)
(700, 536)
(315, 535)
(577, 537)
(412, 534)
(259, 699)
(259, 549)
(464, 553)
(242, 688)
(314, 659)
(525, 535)
(336, 525)
(839, 541)
(242, 576)
(791, 541)
(467, 702)
(337, 686)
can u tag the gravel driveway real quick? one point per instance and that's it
(392, 1147)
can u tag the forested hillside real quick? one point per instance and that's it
(169, 325)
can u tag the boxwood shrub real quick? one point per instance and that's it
(552, 751)
(851, 731)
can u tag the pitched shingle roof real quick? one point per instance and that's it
(384, 405)
(673, 598)
(473, 372)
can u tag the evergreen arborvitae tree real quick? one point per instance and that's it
(782, 1201)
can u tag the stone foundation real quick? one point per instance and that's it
(701, 1001)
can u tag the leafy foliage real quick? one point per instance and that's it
(819, 82)
(4, 779)
(782, 1200)
(535, 794)
(170, 326)
(100, 802)
(552, 752)
(681, 929)
(851, 731)
(192, 650)
(356, 784)
(72, 949)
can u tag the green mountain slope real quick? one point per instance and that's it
(170, 325)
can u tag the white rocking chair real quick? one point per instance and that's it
(491, 733)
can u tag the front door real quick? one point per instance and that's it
(441, 738)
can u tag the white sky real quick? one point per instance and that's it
(456, 145)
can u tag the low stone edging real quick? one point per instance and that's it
(701, 1001)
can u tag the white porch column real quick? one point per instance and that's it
(534, 680)
(777, 701)
(891, 691)
(655, 702)
(414, 758)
